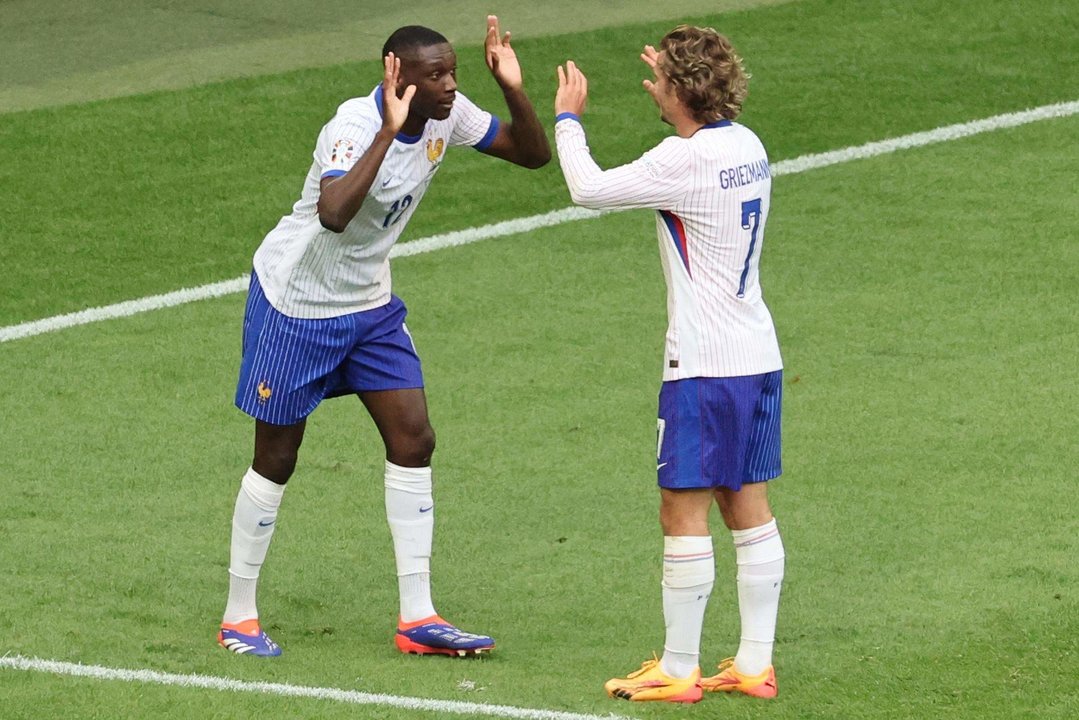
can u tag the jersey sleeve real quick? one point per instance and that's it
(341, 143)
(471, 125)
(657, 180)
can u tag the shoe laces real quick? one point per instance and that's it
(726, 664)
(645, 667)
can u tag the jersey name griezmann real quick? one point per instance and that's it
(744, 174)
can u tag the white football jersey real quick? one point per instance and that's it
(711, 192)
(308, 271)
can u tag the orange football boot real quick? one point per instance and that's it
(651, 683)
(730, 680)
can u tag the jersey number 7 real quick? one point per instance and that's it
(751, 212)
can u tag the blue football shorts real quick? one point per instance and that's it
(719, 432)
(290, 364)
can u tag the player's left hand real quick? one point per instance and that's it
(501, 59)
(572, 95)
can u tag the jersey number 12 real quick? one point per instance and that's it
(398, 209)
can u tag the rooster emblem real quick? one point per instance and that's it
(264, 391)
(434, 149)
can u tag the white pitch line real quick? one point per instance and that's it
(557, 217)
(928, 137)
(237, 285)
(123, 309)
(352, 697)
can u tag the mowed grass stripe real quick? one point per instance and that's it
(534, 222)
(114, 48)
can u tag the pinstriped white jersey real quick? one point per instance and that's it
(711, 195)
(308, 271)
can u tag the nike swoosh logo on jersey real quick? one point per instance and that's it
(427, 509)
(661, 466)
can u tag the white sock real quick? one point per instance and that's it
(410, 513)
(759, 554)
(253, 522)
(689, 571)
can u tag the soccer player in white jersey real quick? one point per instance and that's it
(719, 406)
(321, 320)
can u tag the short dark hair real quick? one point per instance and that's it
(411, 36)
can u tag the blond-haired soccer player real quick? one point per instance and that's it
(719, 406)
(322, 321)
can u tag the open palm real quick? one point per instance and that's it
(501, 58)
(394, 109)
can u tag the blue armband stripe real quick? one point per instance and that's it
(492, 130)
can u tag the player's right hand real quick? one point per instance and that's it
(651, 59)
(394, 107)
(572, 95)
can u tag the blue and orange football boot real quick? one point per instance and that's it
(651, 683)
(730, 680)
(247, 638)
(434, 636)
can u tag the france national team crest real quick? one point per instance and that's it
(264, 391)
(435, 149)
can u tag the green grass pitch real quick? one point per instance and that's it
(925, 303)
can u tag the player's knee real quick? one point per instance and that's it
(684, 512)
(276, 465)
(423, 445)
(412, 446)
(745, 508)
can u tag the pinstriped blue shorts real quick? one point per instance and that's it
(290, 364)
(719, 432)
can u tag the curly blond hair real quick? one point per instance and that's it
(706, 72)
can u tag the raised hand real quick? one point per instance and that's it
(651, 59)
(650, 56)
(501, 59)
(572, 95)
(394, 108)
